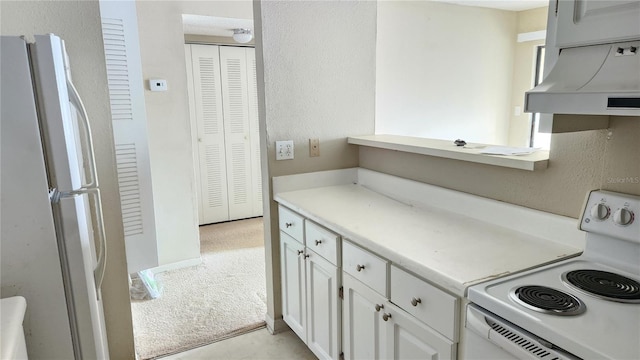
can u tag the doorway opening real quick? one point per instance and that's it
(224, 295)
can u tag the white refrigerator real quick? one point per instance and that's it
(52, 235)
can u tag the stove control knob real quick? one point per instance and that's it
(623, 217)
(600, 212)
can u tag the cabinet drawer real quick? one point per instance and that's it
(322, 241)
(365, 266)
(291, 223)
(429, 304)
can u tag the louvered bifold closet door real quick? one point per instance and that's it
(235, 98)
(126, 95)
(207, 84)
(256, 175)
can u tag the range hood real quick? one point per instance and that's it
(593, 80)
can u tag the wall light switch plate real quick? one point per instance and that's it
(157, 84)
(284, 150)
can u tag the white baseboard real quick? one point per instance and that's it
(177, 265)
(275, 326)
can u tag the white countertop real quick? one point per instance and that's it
(451, 250)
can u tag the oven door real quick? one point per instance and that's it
(488, 336)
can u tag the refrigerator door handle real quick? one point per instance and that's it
(91, 187)
(101, 263)
(76, 101)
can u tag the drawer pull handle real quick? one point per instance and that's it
(288, 225)
(318, 242)
(415, 301)
(386, 317)
(379, 307)
(360, 267)
(300, 252)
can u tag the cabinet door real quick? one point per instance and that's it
(362, 326)
(205, 61)
(588, 22)
(293, 284)
(323, 307)
(408, 338)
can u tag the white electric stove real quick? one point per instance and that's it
(587, 307)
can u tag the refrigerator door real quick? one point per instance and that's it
(30, 263)
(67, 166)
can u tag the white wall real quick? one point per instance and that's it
(78, 23)
(174, 185)
(523, 70)
(318, 82)
(444, 71)
(578, 162)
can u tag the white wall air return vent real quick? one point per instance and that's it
(117, 69)
(127, 167)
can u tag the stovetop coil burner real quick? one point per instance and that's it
(604, 284)
(547, 300)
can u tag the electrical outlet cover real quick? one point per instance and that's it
(284, 150)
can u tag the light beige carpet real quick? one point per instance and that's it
(222, 297)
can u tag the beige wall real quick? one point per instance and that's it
(444, 71)
(315, 83)
(78, 23)
(172, 170)
(579, 162)
(523, 69)
(532, 20)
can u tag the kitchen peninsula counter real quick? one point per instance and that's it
(449, 238)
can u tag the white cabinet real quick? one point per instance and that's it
(374, 328)
(368, 268)
(311, 304)
(293, 284)
(406, 326)
(408, 338)
(384, 313)
(324, 310)
(363, 330)
(425, 302)
(224, 116)
(588, 22)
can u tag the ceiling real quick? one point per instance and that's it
(220, 26)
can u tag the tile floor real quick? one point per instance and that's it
(258, 344)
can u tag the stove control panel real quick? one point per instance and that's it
(612, 214)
